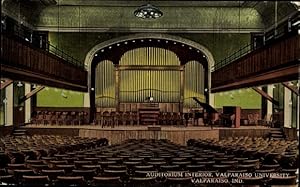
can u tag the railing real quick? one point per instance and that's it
(269, 37)
(236, 55)
(20, 56)
(37, 42)
(54, 50)
(250, 70)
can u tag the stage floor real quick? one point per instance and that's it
(141, 127)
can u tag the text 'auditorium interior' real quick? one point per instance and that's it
(136, 93)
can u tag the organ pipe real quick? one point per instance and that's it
(157, 80)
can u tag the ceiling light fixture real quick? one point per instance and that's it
(148, 11)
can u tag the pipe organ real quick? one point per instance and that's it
(105, 85)
(148, 72)
(193, 84)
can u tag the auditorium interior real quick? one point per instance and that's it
(113, 93)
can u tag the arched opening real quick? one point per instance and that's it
(116, 51)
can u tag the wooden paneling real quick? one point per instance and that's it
(226, 133)
(5, 130)
(53, 131)
(20, 60)
(176, 136)
(19, 115)
(290, 133)
(179, 136)
(276, 62)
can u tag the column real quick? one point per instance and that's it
(86, 99)
(287, 115)
(9, 108)
(269, 103)
(206, 86)
(181, 102)
(117, 87)
(27, 103)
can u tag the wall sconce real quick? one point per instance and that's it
(19, 84)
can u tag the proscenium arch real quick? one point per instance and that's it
(91, 54)
(184, 52)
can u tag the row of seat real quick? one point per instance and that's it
(113, 118)
(129, 162)
(59, 118)
(18, 149)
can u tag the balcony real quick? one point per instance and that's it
(20, 60)
(277, 61)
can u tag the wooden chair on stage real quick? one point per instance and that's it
(69, 119)
(98, 118)
(126, 118)
(164, 120)
(48, 118)
(134, 118)
(62, 119)
(75, 118)
(106, 119)
(85, 118)
(37, 118)
(186, 119)
(80, 117)
(118, 118)
(161, 118)
(177, 118)
(251, 120)
(113, 119)
(54, 117)
(168, 118)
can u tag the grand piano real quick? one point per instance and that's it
(210, 115)
(230, 116)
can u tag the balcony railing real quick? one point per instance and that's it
(20, 60)
(269, 38)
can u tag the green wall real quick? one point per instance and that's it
(53, 97)
(79, 44)
(245, 98)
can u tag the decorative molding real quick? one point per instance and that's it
(90, 55)
(152, 30)
(135, 3)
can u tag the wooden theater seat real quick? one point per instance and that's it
(35, 181)
(107, 182)
(70, 181)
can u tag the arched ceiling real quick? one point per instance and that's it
(115, 51)
(117, 15)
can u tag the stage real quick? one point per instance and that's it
(176, 134)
